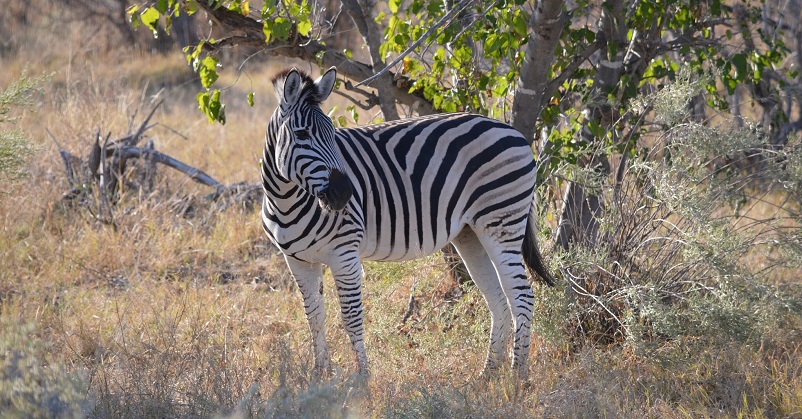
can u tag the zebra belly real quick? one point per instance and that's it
(378, 251)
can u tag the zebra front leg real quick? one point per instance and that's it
(309, 277)
(347, 272)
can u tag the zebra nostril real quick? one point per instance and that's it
(336, 194)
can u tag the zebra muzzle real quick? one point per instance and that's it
(336, 194)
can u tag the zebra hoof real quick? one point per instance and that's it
(488, 374)
(321, 372)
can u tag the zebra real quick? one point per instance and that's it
(397, 191)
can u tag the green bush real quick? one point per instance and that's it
(32, 387)
(697, 233)
(15, 148)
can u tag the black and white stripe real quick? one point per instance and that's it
(399, 191)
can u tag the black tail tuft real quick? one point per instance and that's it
(531, 254)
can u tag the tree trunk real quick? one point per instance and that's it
(360, 12)
(547, 23)
(582, 206)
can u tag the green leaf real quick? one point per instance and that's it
(393, 5)
(739, 62)
(134, 17)
(210, 105)
(492, 44)
(208, 71)
(715, 7)
(354, 114)
(277, 29)
(250, 99)
(304, 26)
(267, 9)
(415, 7)
(267, 29)
(434, 8)
(191, 7)
(281, 28)
(150, 18)
(519, 25)
(161, 6)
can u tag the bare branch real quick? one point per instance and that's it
(196, 174)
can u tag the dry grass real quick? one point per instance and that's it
(164, 316)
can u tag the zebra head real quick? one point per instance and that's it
(305, 150)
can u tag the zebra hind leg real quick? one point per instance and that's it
(309, 278)
(504, 250)
(347, 272)
(486, 279)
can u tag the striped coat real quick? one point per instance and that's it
(398, 191)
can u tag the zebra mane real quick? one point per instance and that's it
(309, 91)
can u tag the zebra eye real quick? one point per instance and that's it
(302, 134)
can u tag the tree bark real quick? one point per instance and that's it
(547, 23)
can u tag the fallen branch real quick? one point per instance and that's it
(112, 166)
(195, 174)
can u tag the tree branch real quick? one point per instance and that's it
(244, 30)
(448, 16)
(196, 174)
(567, 72)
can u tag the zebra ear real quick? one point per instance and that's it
(325, 84)
(292, 86)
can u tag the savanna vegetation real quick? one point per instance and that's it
(670, 208)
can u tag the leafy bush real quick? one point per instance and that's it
(32, 387)
(14, 145)
(695, 226)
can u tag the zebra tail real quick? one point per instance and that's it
(531, 254)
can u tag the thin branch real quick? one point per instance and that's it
(167, 127)
(569, 70)
(351, 88)
(448, 16)
(356, 101)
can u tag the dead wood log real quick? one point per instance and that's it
(195, 174)
(113, 165)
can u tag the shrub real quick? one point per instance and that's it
(14, 145)
(699, 221)
(30, 386)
